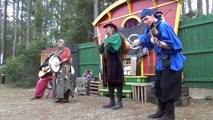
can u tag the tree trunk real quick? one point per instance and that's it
(189, 4)
(51, 28)
(22, 35)
(184, 8)
(16, 30)
(28, 23)
(207, 7)
(46, 12)
(1, 29)
(61, 13)
(212, 8)
(38, 21)
(62, 7)
(4, 40)
(57, 20)
(14, 23)
(14, 14)
(95, 14)
(199, 8)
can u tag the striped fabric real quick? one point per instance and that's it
(113, 69)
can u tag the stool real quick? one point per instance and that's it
(49, 88)
(141, 92)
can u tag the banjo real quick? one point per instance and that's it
(55, 63)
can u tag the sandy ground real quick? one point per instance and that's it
(15, 104)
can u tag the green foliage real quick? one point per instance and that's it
(22, 71)
(103, 4)
(76, 21)
(39, 17)
(50, 19)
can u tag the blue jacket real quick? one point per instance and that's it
(167, 35)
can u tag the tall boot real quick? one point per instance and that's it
(112, 98)
(66, 95)
(160, 110)
(119, 95)
(169, 111)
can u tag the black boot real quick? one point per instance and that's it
(169, 111)
(160, 111)
(66, 95)
(59, 100)
(112, 98)
(119, 94)
(118, 106)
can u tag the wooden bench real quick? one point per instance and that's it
(141, 92)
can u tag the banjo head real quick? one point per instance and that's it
(54, 63)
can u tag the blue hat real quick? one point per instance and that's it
(146, 12)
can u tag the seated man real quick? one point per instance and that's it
(45, 76)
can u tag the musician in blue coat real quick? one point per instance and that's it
(170, 61)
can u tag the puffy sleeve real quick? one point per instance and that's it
(68, 53)
(167, 35)
(114, 42)
(145, 39)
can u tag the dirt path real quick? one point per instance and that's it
(15, 104)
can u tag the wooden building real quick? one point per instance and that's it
(124, 13)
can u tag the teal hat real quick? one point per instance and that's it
(146, 12)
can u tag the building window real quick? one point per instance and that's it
(131, 23)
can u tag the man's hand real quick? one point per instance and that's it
(105, 43)
(43, 69)
(97, 37)
(136, 42)
(96, 40)
(154, 40)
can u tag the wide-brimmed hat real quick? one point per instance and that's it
(111, 25)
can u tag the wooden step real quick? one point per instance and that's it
(106, 90)
(95, 85)
(127, 89)
(135, 79)
(91, 88)
(93, 92)
(128, 86)
(125, 93)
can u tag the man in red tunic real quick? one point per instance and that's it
(62, 78)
